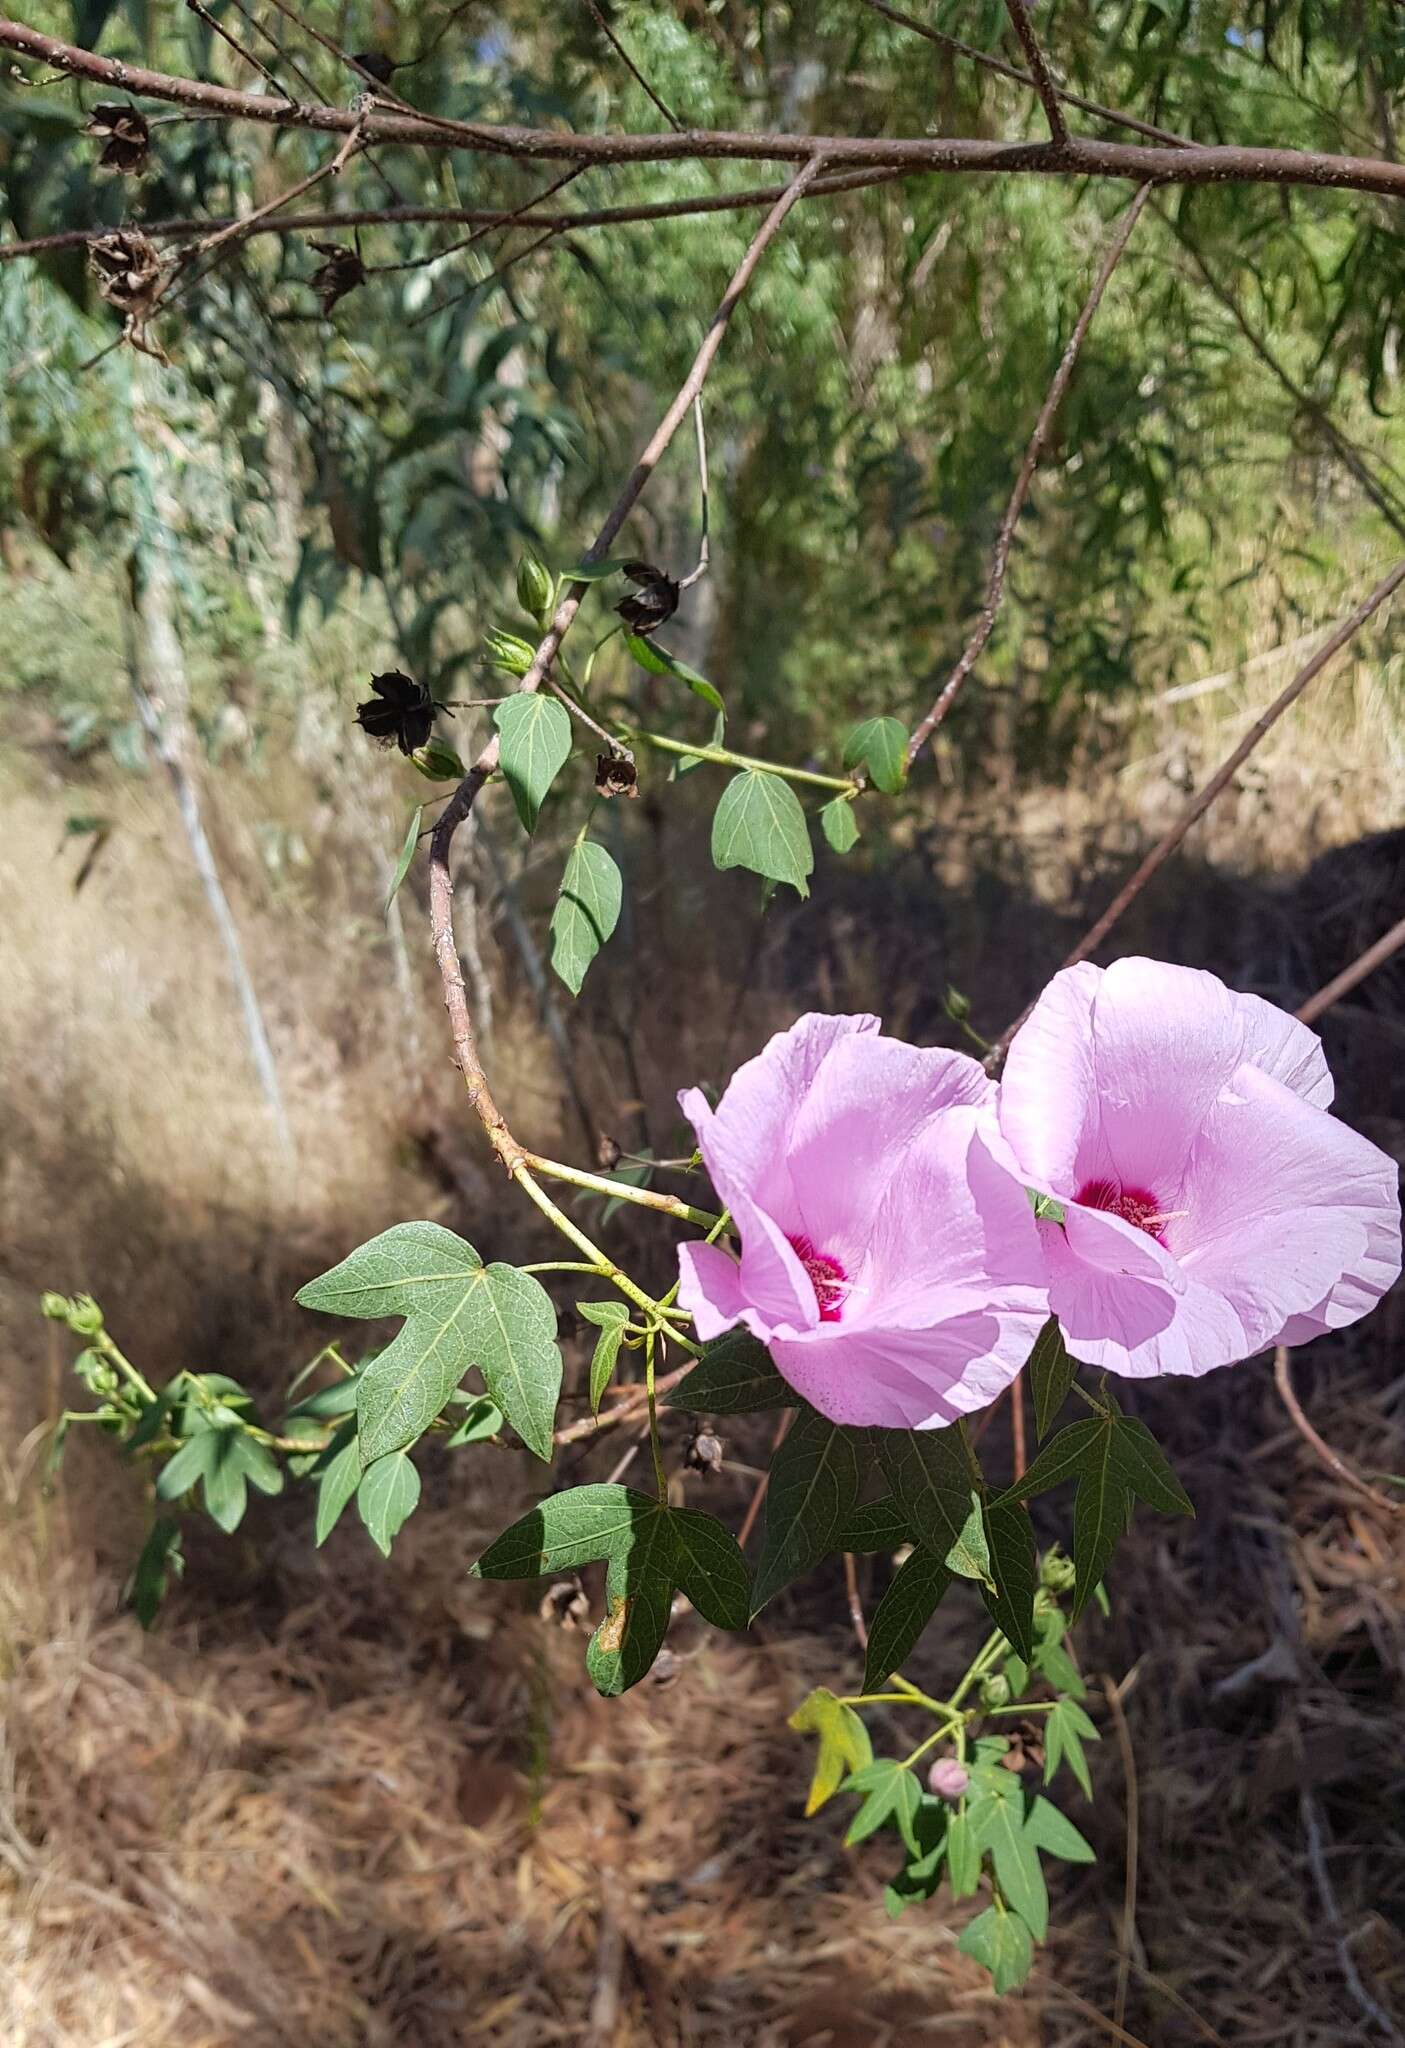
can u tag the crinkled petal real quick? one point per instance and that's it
(1280, 1046)
(1282, 1204)
(746, 1139)
(1357, 1292)
(870, 1100)
(907, 1379)
(1048, 1092)
(772, 1277)
(710, 1289)
(1112, 1246)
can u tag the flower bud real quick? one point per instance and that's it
(958, 1007)
(948, 1779)
(1057, 1572)
(54, 1306)
(84, 1316)
(536, 589)
(507, 653)
(995, 1690)
(438, 762)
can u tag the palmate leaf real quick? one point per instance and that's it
(931, 1475)
(1066, 1729)
(459, 1315)
(902, 1614)
(535, 734)
(996, 1810)
(844, 1744)
(734, 1376)
(1000, 1940)
(160, 1561)
(759, 825)
(890, 1792)
(813, 1487)
(649, 1548)
(587, 911)
(876, 1525)
(338, 1474)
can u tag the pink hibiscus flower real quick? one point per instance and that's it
(1212, 1207)
(889, 1262)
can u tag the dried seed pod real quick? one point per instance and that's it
(655, 601)
(401, 710)
(125, 137)
(607, 1152)
(704, 1453)
(615, 775)
(130, 276)
(342, 272)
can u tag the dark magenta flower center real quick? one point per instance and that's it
(1133, 1205)
(827, 1277)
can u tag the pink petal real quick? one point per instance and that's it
(856, 1128)
(710, 1289)
(1165, 1041)
(1284, 1204)
(1280, 1046)
(954, 1232)
(906, 1379)
(1137, 1327)
(1356, 1293)
(746, 1138)
(1048, 1092)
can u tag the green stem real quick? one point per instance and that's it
(1029, 1707)
(725, 758)
(937, 1735)
(660, 1477)
(621, 1191)
(124, 1365)
(601, 1261)
(560, 1266)
(987, 1655)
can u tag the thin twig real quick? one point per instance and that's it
(1204, 797)
(462, 216)
(1333, 1460)
(1018, 1457)
(1342, 984)
(497, 220)
(1127, 1936)
(255, 63)
(1044, 84)
(749, 1519)
(635, 73)
(990, 62)
(632, 1407)
(271, 39)
(851, 1588)
(701, 570)
(999, 561)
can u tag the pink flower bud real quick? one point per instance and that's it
(948, 1779)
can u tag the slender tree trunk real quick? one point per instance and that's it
(160, 690)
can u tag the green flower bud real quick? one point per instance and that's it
(536, 589)
(1057, 1572)
(438, 762)
(84, 1316)
(54, 1306)
(507, 653)
(958, 1007)
(995, 1690)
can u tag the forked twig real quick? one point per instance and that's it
(1000, 556)
(1204, 797)
(1043, 78)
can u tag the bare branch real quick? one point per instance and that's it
(1193, 164)
(1342, 984)
(466, 216)
(1202, 800)
(441, 888)
(1039, 70)
(999, 561)
(248, 57)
